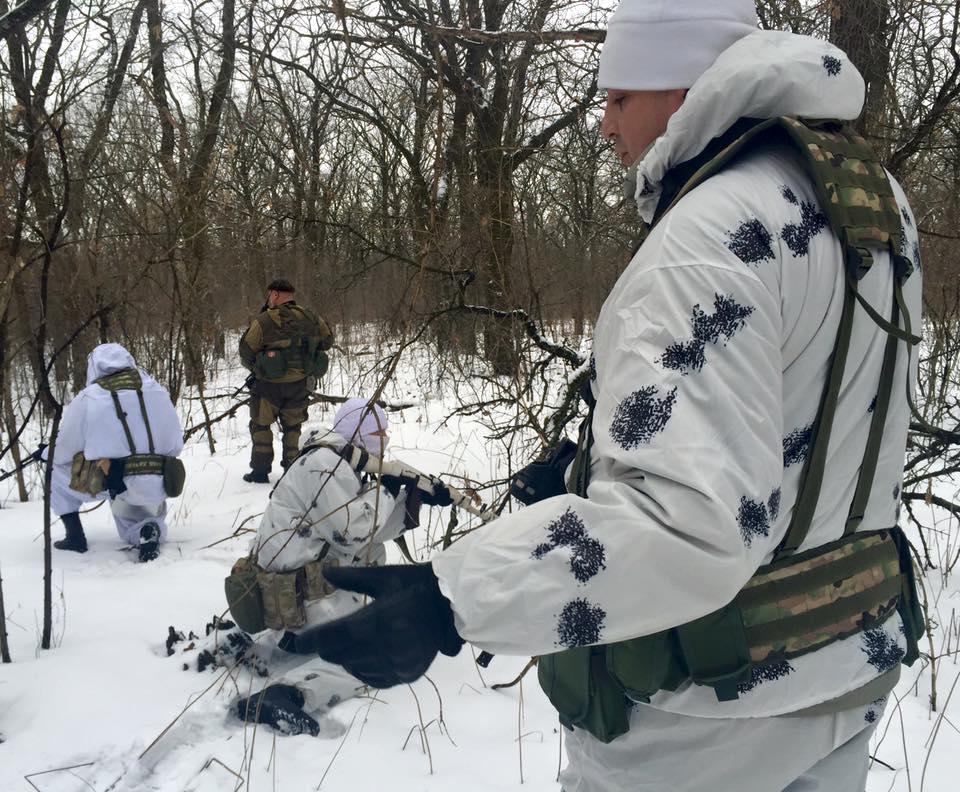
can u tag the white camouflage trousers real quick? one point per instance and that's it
(129, 513)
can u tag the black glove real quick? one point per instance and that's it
(440, 497)
(280, 706)
(392, 484)
(394, 639)
(544, 478)
(288, 642)
(411, 507)
(113, 481)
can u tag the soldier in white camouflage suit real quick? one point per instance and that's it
(710, 362)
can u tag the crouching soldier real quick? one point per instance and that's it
(324, 512)
(285, 350)
(119, 439)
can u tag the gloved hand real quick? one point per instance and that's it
(440, 497)
(394, 639)
(392, 484)
(544, 478)
(441, 494)
(113, 481)
(280, 706)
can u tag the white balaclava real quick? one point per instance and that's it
(357, 421)
(659, 45)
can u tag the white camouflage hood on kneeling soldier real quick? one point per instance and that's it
(108, 359)
(764, 75)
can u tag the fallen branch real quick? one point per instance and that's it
(521, 675)
(315, 398)
(58, 770)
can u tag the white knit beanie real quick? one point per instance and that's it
(655, 45)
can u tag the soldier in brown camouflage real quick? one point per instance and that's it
(285, 349)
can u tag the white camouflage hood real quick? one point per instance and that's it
(108, 359)
(764, 75)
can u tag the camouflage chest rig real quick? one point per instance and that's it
(800, 602)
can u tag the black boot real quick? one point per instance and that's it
(149, 541)
(75, 539)
(256, 477)
(280, 706)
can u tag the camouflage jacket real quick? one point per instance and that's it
(279, 329)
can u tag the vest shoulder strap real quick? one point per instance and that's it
(855, 193)
(852, 186)
(128, 379)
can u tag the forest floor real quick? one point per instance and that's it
(98, 701)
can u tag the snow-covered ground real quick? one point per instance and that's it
(101, 698)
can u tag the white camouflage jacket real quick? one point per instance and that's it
(90, 423)
(321, 502)
(709, 360)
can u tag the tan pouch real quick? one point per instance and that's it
(282, 596)
(88, 476)
(316, 584)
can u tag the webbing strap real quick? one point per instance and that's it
(146, 420)
(580, 473)
(876, 688)
(123, 420)
(890, 328)
(935, 431)
(401, 542)
(809, 494)
(871, 452)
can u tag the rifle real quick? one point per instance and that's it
(251, 377)
(36, 456)
(247, 384)
(364, 462)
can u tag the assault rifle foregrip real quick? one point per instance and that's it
(364, 462)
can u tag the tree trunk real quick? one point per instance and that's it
(47, 537)
(861, 29)
(10, 420)
(4, 647)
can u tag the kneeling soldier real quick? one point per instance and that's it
(322, 514)
(119, 439)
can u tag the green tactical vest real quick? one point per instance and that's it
(138, 464)
(800, 602)
(294, 344)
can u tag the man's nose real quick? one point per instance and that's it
(608, 129)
